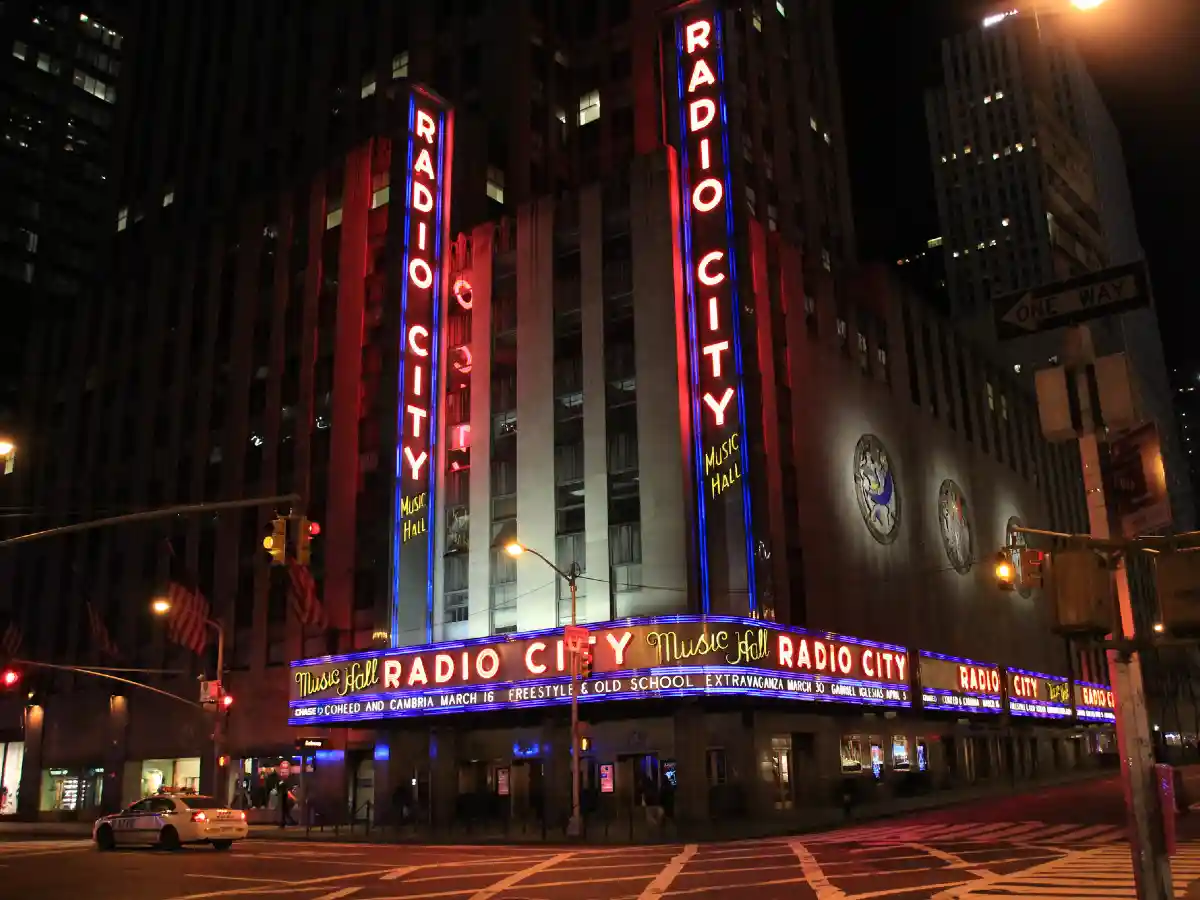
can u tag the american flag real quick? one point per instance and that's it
(100, 635)
(302, 589)
(10, 642)
(187, 619)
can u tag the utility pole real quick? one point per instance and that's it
(1151, 862)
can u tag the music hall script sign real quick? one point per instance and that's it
(637, 658)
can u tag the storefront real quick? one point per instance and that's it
(72, 790)
(12, 760)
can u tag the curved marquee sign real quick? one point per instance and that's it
(1094, 702)
(1038, 695)
(674, 656)
(960, 685)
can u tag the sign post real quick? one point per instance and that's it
(1070, 302)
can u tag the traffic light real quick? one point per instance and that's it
(1031, 568)
(305, 532)
(275, 541)
(585, 661)
(1079, 585)
(10, 678)
(1006, 572)
(1177, 576)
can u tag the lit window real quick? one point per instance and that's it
(561, 58)
(779, 8)
(333, 218)
(987, 99)
(812, 123)
(825, 135)
(44, 62)
(1003, 407)
(756, 20)
(380, 196)
(1005, 222)
(495, 184)
(589, 107)
(169, 197)
(943, 159)
(83, 17)
(400, 65)
(995, 156)
(967, 149)
(991, 397)
(772, 216)
(752, 201)
(999, 95)
(826, 260)
(18, 50)
(1020, 148)
(955, 254)
(368, 86)
(933, 242)
(123, 218)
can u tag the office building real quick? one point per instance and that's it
(665, 371)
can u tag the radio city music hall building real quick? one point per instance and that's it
(783, 490)
(640, 379)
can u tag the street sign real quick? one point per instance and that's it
(576, 637)
(311, 743)
(1138, 483)
(1069, 302)
(210, 691)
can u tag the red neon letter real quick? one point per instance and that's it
(701, 113)
(487, 663)
(426, 127)
(697, 36)
(715, 190)
(422, 199)
(786, 649)
(391, 673)
(424, 164)
(443, 668)
(868, 667)
(718, 408)
(701, 75)
(619, 644)
(715, 350)
(415, 463)
(416, 672)
(420, 273)
(415, 332)
(535, 668)
(417, 415)
(845, 660)
(702, 269)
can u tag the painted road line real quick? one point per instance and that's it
(337, 895)
(668, 873)
(814, 875)
(517, 877)
(312, 884)
(399, 873)
(952, 860)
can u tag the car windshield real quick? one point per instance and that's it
(200, 803)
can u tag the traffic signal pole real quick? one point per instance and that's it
(1151, 861)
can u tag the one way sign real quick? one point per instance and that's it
(1068, 302)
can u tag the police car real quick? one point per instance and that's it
(171, 820)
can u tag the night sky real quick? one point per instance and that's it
(1140, 53)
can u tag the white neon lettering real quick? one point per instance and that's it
(701, 75)
(718, 407)
(415, 462)
(421, 274)
(715, 190)
(704, 160)
(417, 415)
(443, 668)
(426, 127)
(422, 199)
(713, 321)
(786, 649)
(702, 269)
(416, 672)
(492, 665)
(391, 673)
(697, 36)
(715, 351)
(418, 386)
(698, 108)
(413, 333)
(421, 235)
(619, 644)
(424, 164)
(868, 664)
(535, 668)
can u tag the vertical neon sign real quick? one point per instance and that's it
(724, 528)
(426, 185)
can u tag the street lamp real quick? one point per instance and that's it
(160, 606)
(6, 447)
(1086, 4)
(571, 575)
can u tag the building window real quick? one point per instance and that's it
(400, 65)
(123, 218)
(826, 261)
(380, 196)
(756, 20)
(368, 86)
(169, 197)
(589, 107)
(19, 50)
(495, 184)
(780, 8)
(991, 397)
(333, 218)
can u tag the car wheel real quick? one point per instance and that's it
(222, 845)
(105, 839)
(168, 839)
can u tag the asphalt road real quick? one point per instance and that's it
(1062, 843)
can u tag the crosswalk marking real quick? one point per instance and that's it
(973, 833)
(1103, 872)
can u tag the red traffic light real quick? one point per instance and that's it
(314, 528)
(10, 677)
